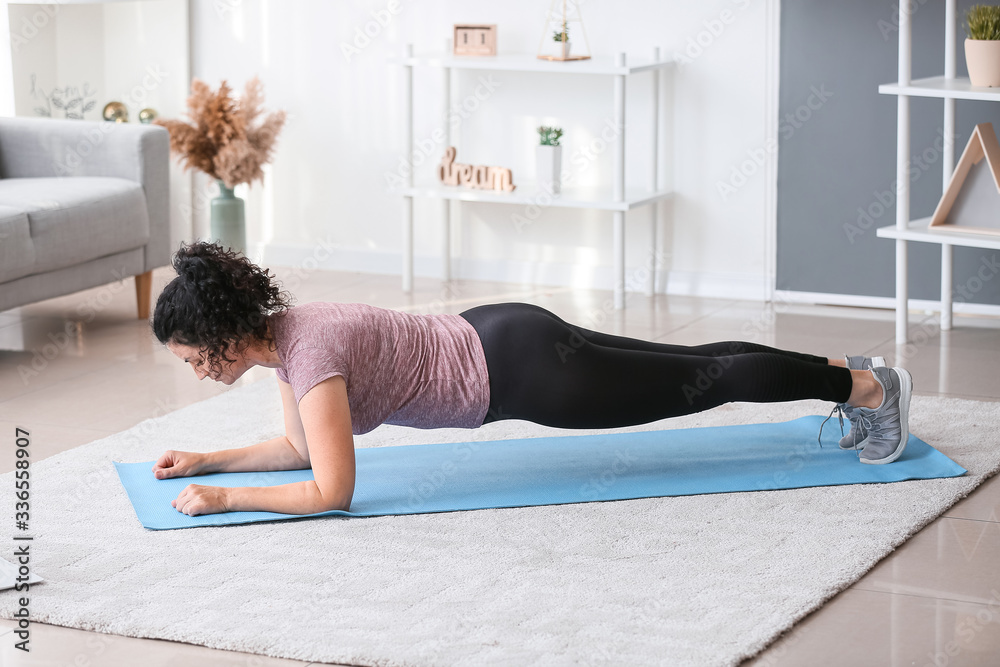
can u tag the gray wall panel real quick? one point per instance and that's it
(840, 156)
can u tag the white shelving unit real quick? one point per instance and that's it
(943, 87)
(949, 88)
(614, 198)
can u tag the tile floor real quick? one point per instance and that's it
(81, 367)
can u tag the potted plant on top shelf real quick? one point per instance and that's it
(982, 46)
(548, 158)
(563, 36)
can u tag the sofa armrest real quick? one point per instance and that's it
(46, 147)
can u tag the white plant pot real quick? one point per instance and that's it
(564, 49)
(983, 58)
(548, 162)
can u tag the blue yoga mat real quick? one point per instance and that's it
(413, 479)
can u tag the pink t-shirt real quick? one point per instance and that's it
(427, 371)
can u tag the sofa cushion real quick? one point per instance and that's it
(17, 252)
(76, 219)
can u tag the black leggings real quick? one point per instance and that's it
(548, 371)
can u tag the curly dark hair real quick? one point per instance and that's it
(218, 297)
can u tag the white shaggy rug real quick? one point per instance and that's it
(697, 580)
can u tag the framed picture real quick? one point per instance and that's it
(475, 40)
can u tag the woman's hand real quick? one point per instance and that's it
(179, 464)
(197, 499)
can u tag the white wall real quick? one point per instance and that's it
(343, 136)
(132, 52)
(33, 51)
(135, 52)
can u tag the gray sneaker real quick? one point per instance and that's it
(857, 437)
(888, 424)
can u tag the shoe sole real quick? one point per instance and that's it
(905, 392)
(857, 447)
(876, 361)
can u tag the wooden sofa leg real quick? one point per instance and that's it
(143, 292)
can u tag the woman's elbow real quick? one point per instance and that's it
(340, 505)
(332, 500)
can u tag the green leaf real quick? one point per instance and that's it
(982, 22)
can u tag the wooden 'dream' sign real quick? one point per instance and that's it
(474, 176)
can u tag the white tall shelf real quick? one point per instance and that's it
(949, 88)
(614, 197)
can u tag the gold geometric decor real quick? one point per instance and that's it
(564, 33)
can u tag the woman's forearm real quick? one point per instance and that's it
(295, 498)
(275, 454)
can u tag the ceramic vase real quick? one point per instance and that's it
(983, 58)
(228, 224)
(548, 162)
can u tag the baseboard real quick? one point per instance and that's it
(887, 302)
(557, 274)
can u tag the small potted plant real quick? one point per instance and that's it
(548, 157)
(563, 36)
(982, 48)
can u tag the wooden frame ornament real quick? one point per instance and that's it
(982, 144)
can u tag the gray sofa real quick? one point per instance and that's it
(82, 204)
